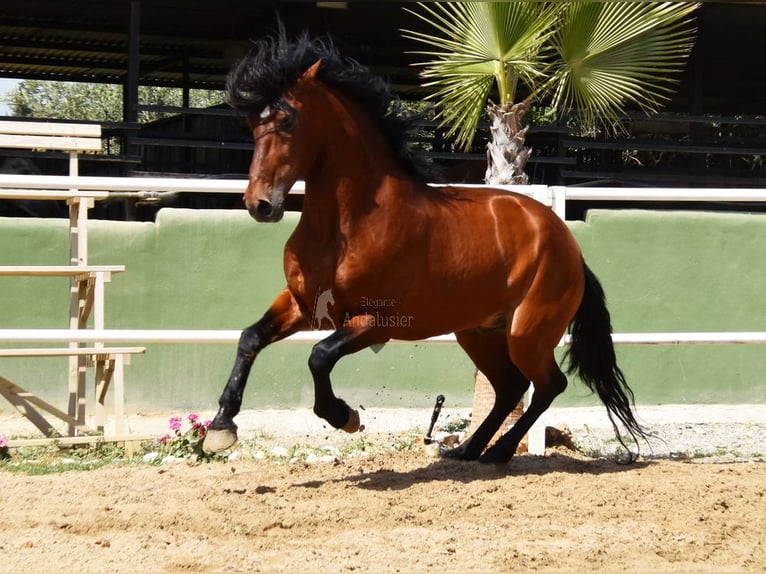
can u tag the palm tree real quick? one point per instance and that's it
(590, 59)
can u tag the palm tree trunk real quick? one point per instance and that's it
(506, 159)
(506, 154)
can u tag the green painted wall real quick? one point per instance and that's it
(683, 271)
(219, 270)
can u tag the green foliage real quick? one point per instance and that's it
(54, 458)
(591, 58)
(456, 425)
(611, 53)
(95, 102)
(480, 46)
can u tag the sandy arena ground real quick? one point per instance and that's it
(391, 511)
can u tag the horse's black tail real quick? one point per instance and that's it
(591, 356)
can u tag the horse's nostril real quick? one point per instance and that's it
(264, 208)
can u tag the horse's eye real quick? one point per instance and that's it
(265, 112)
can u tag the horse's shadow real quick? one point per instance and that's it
(442, 470)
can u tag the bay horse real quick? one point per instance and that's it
(403, 259)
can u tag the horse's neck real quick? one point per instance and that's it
(354, 176)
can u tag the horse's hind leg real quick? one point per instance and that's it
(488, 349)
(546, 390)
(535, 330)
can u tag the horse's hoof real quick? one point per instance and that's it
(217, 440)
(495, 457)
(353, 423)
(456, 453)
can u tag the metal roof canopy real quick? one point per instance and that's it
(182, 43)
(192, 44)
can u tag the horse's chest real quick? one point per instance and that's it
(344, 269)
(310, 269)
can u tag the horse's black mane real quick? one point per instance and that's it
(275, 62)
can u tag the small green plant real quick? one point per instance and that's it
(404, 443)
(357, 446)
(56, 458)
(456, 425)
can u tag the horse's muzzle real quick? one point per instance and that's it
(265, 211)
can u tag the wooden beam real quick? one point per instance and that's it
(50, 129)
(25, 402)
(78, 440)
(57, 270)
(50, 142)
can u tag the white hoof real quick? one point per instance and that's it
(218, 440)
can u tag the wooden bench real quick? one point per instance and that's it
(71, 137)
(86, 284)
(108, 363)
(87, 297)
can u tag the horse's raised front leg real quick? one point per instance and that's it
(283, 318)
(353, 336)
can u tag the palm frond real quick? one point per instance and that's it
(462, 103)
(615, 53)
(592, 57)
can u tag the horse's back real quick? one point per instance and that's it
(520, 226)
(489, 250)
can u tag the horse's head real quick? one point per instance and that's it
(282, 150)
(308, 105)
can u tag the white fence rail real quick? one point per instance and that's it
(31, 186)
(143, 336)
(551, 195)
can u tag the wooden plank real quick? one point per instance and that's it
(656, 177)
(50, 129)
(50, 142)
(118, 390)
(103, 377)
(656, 145)
(77, 440)
(25, 402)
(20, 399)
(57, 270)
(71, 352)
(30, 401)
(195, 143)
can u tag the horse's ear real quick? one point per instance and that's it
(311, 71)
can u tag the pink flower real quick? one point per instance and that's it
(163, 439)
(3, 441)
(193, 417)
(207, 424)
(175, 423)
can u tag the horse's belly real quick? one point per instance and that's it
(427, 313)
